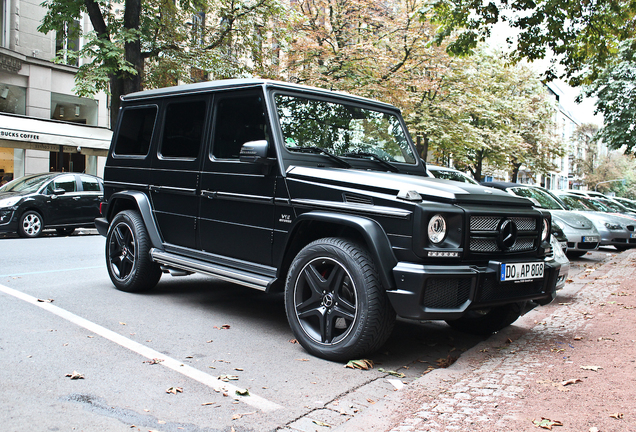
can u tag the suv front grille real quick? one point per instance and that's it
(484, 233)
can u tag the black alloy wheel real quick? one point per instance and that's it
(335, 303)
(128, 254)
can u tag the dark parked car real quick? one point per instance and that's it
(63, 201)
(319, 194)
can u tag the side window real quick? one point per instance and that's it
(239, 119)
(90, 184)
(64, 182)
(135, 131)
(183, 129)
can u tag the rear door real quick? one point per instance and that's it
(174, 178)
(237, 198)
(91, 194)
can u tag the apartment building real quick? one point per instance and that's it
(44, 126)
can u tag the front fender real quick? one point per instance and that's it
(373, 234)
(137, 200)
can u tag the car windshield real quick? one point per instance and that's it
(341, 129)
(26, 184)
(539, 197)
(453, 175)
(576, 203)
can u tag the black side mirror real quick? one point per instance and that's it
(255, 152)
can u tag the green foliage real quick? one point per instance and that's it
(583, 35)
(616, 99)
(614, 166)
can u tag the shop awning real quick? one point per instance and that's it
(40, 134)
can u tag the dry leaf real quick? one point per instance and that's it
(294, 341)
(446, 362)
(122, 323)
(303, 359)
(175, 390)
(244, 392)
(227, 378)
(617, 415)
(363, 364)
(592, 368)
(546, 423)
(223, 327)
(319, 423)
(154, 361)
(571, 381)
(46, 301)
(75, 375)
(391, 372)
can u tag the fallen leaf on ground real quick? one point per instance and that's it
(293, 341)
(592, 368)
(570, 381)
(244, 392)
(174, 390)
(546, 423)
(392, 372)
(578, 338)
(319, 423)
(363, 364)
(227, 378)
(617, 415)
(223, 327)
(154, 361)
(122, 323)
(446, 362)
(46, 301)
(75, 375)
(303, 359)
(209, 403)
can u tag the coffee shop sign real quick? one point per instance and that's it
(20, 135)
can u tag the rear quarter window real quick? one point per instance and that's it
(135, 131)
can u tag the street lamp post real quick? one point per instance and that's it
(608, 181)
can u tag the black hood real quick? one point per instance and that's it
(394, 183)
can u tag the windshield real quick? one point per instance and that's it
(539, 197)
(452, 175)
(26, 184)
(341, 129)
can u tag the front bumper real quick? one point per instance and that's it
(447, 292)
(578, 240)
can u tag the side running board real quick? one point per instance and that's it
(259, 282)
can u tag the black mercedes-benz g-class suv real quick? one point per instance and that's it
(319, 194)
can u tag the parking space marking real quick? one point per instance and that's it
(193, 373)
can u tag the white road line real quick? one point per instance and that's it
(149, 353)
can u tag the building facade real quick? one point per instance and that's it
(44, 126)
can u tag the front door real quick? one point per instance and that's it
(62, 208)
(237, 198)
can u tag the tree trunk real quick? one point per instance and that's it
(422, 146)
(479, 165)
(515, 172)
(132, 50)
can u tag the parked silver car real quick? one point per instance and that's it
(615, 230)
(582, 234)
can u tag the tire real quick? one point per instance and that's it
(336, 305)
(65, 231)
(576, 254)
(488, 321)
(31, 224)
(128, 254)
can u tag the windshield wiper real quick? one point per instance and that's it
(318, 150)
(365, 155)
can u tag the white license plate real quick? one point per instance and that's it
(590, 239)
(632, 235)
(521, 271)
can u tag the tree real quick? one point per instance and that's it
(615, 90)
(151, 43)
(584, 152)
(582, 36)
(615, 166)
(500, 116)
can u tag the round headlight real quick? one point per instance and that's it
(546, 230)
(437, 229)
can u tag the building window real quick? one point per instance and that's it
(12, 99)
(73, 109)
(67, 43)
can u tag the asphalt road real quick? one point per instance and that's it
(60, 314)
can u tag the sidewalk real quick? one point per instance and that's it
(572, 363)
